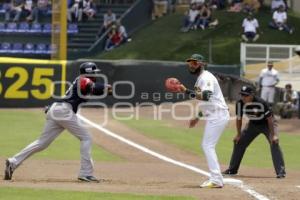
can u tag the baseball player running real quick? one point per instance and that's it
(261, 120)
(62, 115)
(215, 111)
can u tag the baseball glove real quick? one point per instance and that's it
(173, 85)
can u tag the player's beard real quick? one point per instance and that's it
(195, 71)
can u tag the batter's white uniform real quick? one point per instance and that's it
(269, 79)
(217, 116)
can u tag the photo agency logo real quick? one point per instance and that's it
(159, 105)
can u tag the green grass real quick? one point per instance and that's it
(258, 154)
(20, 128)
(162, 39)
(37, 194)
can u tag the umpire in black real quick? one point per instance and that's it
(261, 120)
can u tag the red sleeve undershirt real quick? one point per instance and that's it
(85, 84)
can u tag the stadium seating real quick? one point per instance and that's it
(2, 11)
(90, 30)
(72, 28)
(36, 28)
(23, 27)
(5, 47)
(29, 48)
(2, 27)
(41, 48)
(11, 27)
(47, 28)
(17, 48)
(34, 38)
(51, 49)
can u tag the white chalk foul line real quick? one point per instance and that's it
(235, 182)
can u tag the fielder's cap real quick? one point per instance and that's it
(297, 49)
(196, 57)
(247, 90)
(88, 68)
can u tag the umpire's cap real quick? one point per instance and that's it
(247, 90)
(196, 57)
(89, 68)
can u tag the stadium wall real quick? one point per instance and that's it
(29, 83)
(296, 6)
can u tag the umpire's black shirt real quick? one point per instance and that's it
(257, 111)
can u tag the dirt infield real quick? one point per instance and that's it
(144, 174)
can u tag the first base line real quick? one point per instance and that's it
(230, 181)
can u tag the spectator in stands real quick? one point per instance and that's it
(114, 39)
(75, 11)
(250, 28)
(190, 18)
(41, 7)
(268, 79)
(204, 17)
(89, 9)
(280, 21)
(172, 5)
(251, 6)
(216, 4)
(70, 7)
(276, 4)
(235, 6)
(160, 8)
(27, 8)
(109, 19)
(198, 3)
(14, 7)
(290, 102)
(122, 30)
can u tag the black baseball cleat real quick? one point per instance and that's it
(8, 170)
(229, 172)
(88, 179)
(281, 175)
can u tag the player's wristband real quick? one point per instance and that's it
(200, 114)
(191, 93)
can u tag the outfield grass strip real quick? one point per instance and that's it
(12, 193)
(18, 131)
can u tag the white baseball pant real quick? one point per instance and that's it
(268, 93)
(59, 117)
(214, 128)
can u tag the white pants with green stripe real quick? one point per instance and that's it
(214, 128)
(59, 117)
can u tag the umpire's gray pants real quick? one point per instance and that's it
(59, 117)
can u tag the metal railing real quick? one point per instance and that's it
(262, 53)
